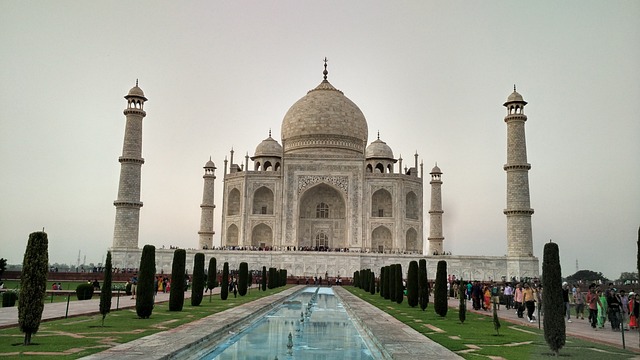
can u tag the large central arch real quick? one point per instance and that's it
(322, 214)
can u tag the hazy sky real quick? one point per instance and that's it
(431, 76)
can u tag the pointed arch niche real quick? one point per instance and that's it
(322, 209)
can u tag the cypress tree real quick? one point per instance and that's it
(356, 279)
(197, 289)
(271, 281)
(387, 282)
(365, 280)
(399, 285)
(224, 287)
(412, 284)
(212, 276)
(554, 326)
(146, 282)
(243, 277)
(33, 284)
(264, 278)
(283, 277)
(440, 292)
(176, 294)
(423, 284)
(462, 309)
(392, 282)
(105, 293)
(382, 279)
(372, 284)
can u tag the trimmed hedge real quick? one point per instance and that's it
(197, 288)
(84, 291)
(146, 282)
(33, 284)
(106, 293)
(554, 325)
(412, 284)
(9, 298)
(399, 286)
(423, 284)
(243, 277)
(264, 278)
(224, 286)
(440, 291)
(176, 293)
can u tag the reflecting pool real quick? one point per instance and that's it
(311, 325)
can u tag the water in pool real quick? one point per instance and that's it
(311, 325)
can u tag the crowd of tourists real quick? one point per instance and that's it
(603, 303)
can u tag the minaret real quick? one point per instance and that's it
(128, 204)
(435, 213)
(518, 211)
(206, 217)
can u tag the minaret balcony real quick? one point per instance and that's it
(129, 204)
(508, 167)
(516, 212)
(123, 159)
(134, 111)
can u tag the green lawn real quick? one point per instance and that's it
(477, 338)
(81, 336)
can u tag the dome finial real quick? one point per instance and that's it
(325, 72)
(136, 82)
(514, 87)
(378, 134)
(269, 132)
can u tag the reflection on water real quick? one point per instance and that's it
(322, 330)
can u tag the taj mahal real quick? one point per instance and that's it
(325, 202)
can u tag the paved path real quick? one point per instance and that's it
(58, 310)
(577, 327)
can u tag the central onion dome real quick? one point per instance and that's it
(324, 120)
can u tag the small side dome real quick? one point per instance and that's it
(136, 91)
(378, 150)
(209, 165)
(436, 170)
(268, 147)
(515, 97)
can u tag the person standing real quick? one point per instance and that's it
(602, 308)
(578, 296)
(508, 296)
(613, 309)
(565, 299)
(634, 310)
(529, 301)
(134, 285)
(518, 299)
(594, 303)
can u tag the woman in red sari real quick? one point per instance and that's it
(634, 310)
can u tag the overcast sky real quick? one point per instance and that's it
(430, 76)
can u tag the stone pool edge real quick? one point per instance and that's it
(191, 340)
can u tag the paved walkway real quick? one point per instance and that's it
(577, 327)
(58, 310)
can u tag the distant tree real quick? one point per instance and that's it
(496, 319)
(197, 288)
(105, 293)
(412, 284)
(3, 266)
(423, 284)
(381, 282)
(440, 291)
(554, 312)
(628, 276)
(224, 286)
(372, 283)
(264, 278)
(399, 284)
(146, 282)
(243, 277)
(272, 281)
(33, 284)
(365, 280)
(387, 282)
(212, 276)
(392, 283)
(176, 293)
(586, 276)
(462, 308)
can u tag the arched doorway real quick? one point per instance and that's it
(322, 210)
